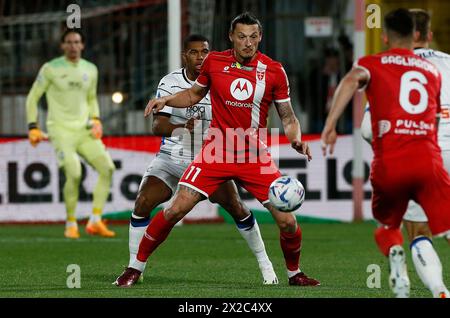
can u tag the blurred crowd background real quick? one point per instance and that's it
(127, 40)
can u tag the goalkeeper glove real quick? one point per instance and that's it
(96, 128)
(35, 135)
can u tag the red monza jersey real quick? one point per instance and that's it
(404, 96)
(242, 94)
(240, 98)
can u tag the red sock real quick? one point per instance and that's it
(156, 232)
(386, 238)
(291, 244)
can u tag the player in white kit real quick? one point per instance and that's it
(183, 130)
(426, 261)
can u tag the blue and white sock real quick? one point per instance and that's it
(249, 229)
(427, 264)
(138, 225)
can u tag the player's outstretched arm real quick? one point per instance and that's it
(164, 128)
(292, 128)
(344, 92)
(183, 99)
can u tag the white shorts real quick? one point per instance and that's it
(167, 170)
(414, 212)
(170, 172)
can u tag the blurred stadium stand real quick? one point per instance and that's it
(127, 40)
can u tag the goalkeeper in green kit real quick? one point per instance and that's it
(74, 128)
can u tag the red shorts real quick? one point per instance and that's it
(423, 180)
(254, 177)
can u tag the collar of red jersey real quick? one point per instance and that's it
(255, 58)
(401, 50)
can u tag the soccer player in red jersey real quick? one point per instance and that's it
(425, 258)
(161, 177)
(242, 83)
(403, 92)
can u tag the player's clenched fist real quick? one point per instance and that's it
(190, 124)
(154, 105)
(35, 135)
(96, 128)
(302, 148)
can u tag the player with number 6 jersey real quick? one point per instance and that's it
(404, 93)
(414, 85)
(403, 90)
(424, 256)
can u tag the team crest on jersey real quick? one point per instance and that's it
(85, 77)
(260, 75)
(241, 89)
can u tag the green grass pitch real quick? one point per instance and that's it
(196, 261)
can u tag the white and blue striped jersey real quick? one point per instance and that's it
(183, 147)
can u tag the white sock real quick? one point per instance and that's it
(137, 228)
(256, 244)
(427, 264)
(94, 218)
(293, 273)
(140, 266)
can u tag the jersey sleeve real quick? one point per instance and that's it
(39, 87)
(281, 88)
(203, 79)
(438, 97)
(364, 64)
(165, 89)
(92, 101)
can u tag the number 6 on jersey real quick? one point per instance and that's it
(413, 81)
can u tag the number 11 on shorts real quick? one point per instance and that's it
(195, 174)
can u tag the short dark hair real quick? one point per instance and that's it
(400, 22)
(422, 20)
(68, 31)
(245, 18)
(194, 38)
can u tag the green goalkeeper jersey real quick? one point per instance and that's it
(71, 93)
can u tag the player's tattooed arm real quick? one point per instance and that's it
(292, 128)
(286, 113)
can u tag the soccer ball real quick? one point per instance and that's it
(286, 194)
